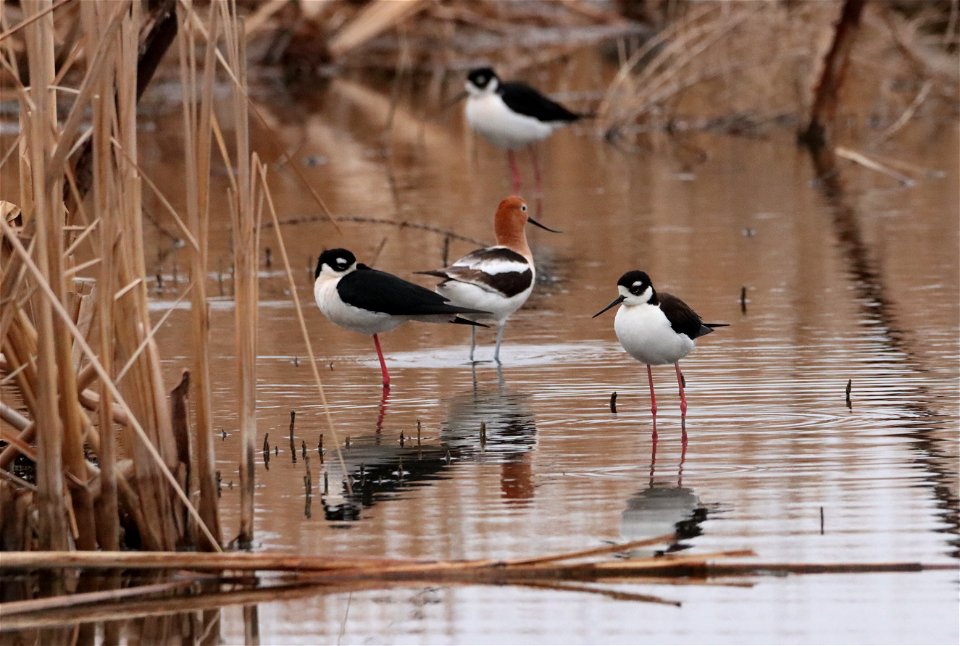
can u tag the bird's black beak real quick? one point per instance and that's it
(616, 301)
(452, 102)
(542, 226)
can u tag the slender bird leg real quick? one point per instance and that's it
(473, 340)
(382, 413)
(514, 171)
(653, 457)
(496, 352)
(683, 429)
(683, 399)
(653, 397)
(383, 364)
(537, 179)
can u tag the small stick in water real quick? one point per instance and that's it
(483, 434)
(821, 521)
(293, 447)
(266, 443)
(849, 388)
(743, 299)
(613, 402)
(418, 432)
(401, 439)
(303, 450)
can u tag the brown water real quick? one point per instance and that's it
(860, 286)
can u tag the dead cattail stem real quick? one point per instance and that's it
(242, 210)
(42, 211)
(70, 600)
(197, 171)
(303, 330)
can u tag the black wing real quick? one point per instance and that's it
(522, 98)
(379, 291)
(682, 318)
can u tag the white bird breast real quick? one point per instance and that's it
(478, 298)
(349, 316)
(645, 333)
(490, 117)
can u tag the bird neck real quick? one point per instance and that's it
(513, 239)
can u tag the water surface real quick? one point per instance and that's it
(860, 287)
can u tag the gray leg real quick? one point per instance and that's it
(496, 352)
(473, 340)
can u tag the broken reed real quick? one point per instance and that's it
(61, 341)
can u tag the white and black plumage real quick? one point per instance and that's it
(512, 115)
(495, 279)
(655, 329)
(369, 301)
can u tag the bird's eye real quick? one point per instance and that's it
(523, 207)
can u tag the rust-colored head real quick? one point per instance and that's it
(510, 222)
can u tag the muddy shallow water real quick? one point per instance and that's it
(859, 286)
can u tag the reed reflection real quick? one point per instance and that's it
(486, 423)
(664, 506)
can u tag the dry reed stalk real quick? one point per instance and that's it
(303, 324)
(374, 18)
(242, 207)
(197, 147)
(108, 529)
(274, 138)
(144, 381)
(83, 598)
(39, 122)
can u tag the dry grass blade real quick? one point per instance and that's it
(29, 21)
(597, 551)
(303, 323)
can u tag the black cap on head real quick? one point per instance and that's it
(337, 259)
(635, 281)
(481, 76)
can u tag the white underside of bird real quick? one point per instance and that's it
(349, 316)
(479, 296)
(489, 116)
(646, 335)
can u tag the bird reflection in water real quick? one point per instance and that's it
(484, 424)
(664, 506)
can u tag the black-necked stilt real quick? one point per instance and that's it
(495, 279)
(369, 301)
(655, 329)
(512, 115)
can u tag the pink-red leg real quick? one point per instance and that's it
(383, 364)
(653, 397)
(653, 457)
(683, 451)
(683, 399)
(514, 171)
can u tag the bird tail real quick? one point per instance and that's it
(707, 328)
(463, 321)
